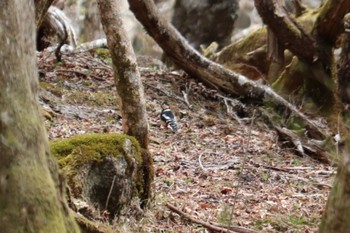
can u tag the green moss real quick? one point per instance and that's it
(283, 223)
(309, 84)
(296, 124)
(95, 146)
(224, 215)
(51, 88)
(36, 196)
(253, 41)
(91, 99)
(103, 54)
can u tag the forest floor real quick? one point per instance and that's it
(224, 165)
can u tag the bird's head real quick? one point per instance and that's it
(165, 105)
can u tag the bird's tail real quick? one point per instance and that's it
(173, 126)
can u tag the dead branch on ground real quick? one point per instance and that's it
(309, 147)
(209, 226)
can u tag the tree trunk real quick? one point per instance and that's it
(128, 83)
(337, 214)
(310, 77)
(92, 22)
(41, 7)
(284, 27)
(31, 193)
(343, 64)
(328, 26)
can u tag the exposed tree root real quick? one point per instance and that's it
(87, 226)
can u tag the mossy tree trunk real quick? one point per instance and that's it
(336, 217)
(129, 86)
(31, 196)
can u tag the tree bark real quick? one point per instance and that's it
(41, 7)
(31, 193)
(343, 64)
(288, 32)
(275, 53)
(336, 216)
(128, 82)
(329, 22)
(92, 22)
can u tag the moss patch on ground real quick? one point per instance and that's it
(54, 89)
(91, 99)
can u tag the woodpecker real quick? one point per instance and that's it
(168, 117)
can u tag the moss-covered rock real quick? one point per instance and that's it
(104, 169)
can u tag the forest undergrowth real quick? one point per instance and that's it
(224, 165)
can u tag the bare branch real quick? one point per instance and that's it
(288, 32)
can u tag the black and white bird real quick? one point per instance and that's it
(168, 117)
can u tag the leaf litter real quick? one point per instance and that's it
(198, 170)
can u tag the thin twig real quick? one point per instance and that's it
(240, 178)
(200, 161)
(110, 191)
(270, 167)
(165, 93)
(229, 108)
(338, 133)
(209, 226)
(322, 172)
(185, 95)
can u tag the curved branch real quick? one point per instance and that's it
(188, 58)
(288, 32)
(205, 70)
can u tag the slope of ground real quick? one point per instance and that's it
(223, 165)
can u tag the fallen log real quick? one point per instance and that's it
(207, 71)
